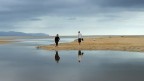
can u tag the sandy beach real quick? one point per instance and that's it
(11, 39)
(5, 41)
(121, 43)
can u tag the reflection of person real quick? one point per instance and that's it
(57, 58)
(79, 37)
(80, 54)
(57, 39)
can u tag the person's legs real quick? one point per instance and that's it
(79, 41)
(56, 43)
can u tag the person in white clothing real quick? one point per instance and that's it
(79, 37)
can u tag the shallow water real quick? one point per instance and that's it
(23, 62)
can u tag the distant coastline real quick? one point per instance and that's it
(14, 33)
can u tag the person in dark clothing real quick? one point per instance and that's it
(57, 39)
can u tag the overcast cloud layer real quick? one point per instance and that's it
(66, 17)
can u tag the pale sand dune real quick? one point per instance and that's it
(131, 43)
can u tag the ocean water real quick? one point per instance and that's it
(21, 61)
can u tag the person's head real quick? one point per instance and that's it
(78, 31)
(57, 35)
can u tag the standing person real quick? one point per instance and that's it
(79, 37)
(57, 40)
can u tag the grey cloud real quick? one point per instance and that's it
(28, 8)
(22, 10)
(126, 3)
(32, 8)
(119, 3)
(35, 19)
(72, 18)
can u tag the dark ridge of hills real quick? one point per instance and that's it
(13, 33)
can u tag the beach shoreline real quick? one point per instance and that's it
(107, 42)
(5, 41)
(117, 43)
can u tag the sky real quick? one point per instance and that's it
(67, 17)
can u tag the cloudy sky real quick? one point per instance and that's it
(67, 17)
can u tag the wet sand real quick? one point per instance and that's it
(5, 41)
(121, 43)
(11, 39)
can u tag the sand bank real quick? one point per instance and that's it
(5, 41)
(122, 43)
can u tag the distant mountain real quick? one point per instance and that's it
(13, 33)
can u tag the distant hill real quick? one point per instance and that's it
(13, 33)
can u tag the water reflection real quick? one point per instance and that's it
(21, 63)
(80, 55)
(57, 57)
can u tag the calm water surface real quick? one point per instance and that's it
(23, 62)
